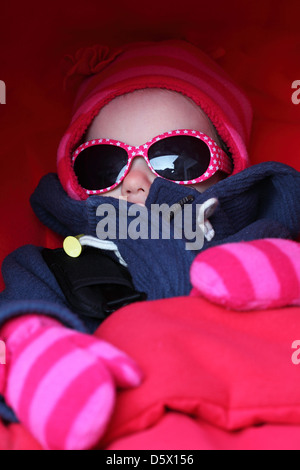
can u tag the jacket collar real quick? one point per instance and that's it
(268, 190)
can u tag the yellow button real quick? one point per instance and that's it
(72, 246)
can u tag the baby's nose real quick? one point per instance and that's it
(136, 184)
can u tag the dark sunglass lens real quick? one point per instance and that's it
(100, 166)
(179, 158)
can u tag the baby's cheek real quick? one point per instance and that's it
(114, 193)
(201, 187)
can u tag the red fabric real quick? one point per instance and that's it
(179, 431)
(223, 367)
(258, 44)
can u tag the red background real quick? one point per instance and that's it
(257, 42)
(261, 42)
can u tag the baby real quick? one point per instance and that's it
(154, 123)
(137, 117)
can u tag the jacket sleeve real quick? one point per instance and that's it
(31, 287)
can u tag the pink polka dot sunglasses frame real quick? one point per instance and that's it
(219, 160)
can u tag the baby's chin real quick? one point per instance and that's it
(116, 195)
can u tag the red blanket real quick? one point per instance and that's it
(231, 370)
(214, 378)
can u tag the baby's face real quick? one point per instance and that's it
(137, 117)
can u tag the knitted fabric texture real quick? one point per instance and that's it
(249, 276)
(259, 202)
(174, 65)
(42, 354)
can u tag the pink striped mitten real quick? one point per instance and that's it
(60, 383)
(249, 275)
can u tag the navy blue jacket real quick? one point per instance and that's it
(260, 202)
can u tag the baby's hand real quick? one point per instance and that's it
(61, 383)
(249, 275)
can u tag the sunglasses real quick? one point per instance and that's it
(182, 156)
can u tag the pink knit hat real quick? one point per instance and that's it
(174, 65)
